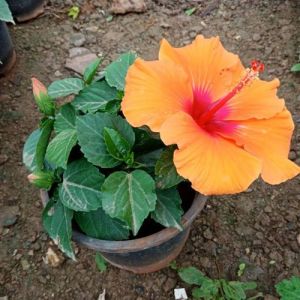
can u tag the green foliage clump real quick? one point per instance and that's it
(216, 289)
(99, 171)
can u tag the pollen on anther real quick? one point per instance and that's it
(257, 66)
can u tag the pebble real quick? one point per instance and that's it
(36, 246)
(208, 234)
(9, 215)
(77, 39)
(58, 73)
(139, 289)
(126, 6)
(80, 62)
(252, 273)
(298, 239)
(18, 94)
(25, 264)
(18, 256)
(92, 29)
(52, 258)
(42, 279)
(256, 37)
(268, 209)
(276, 256)
(169, 284)
(165, 25)
(77, 51)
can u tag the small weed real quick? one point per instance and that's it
(73, 12)
(241, 269)
(100, 262)
(190, 11)
(212, 289)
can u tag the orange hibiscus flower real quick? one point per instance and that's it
(229, 126)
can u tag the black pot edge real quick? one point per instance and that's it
(29, 11)
(7, 52)
(141, 243)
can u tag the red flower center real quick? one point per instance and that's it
(209, 114)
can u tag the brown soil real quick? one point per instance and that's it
(259, 227)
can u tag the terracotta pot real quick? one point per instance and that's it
(24, 10)
(143, 255)
(7, 52)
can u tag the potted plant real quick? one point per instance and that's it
(124, 152)
(7, 52)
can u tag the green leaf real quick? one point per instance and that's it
(232, 290)
(91, 70)
(208, 291)
(296, 68)
(196, 292)
(100, 263)
(241, 270)
(116, 145)
(113, 107)
(109, 18)
(90, 136)
(146, 141)
(29, 149)
(289, 289)
(192, 275)
(81, 186)
(5, 13)
(129, 197)
(168, 209)
(246, 285)
(147, 161)
(190, 11)
(116, 72)
(59, 148)
(94, 97)
(57, 222)
(73, 12)
(65, 87)
(65, 119)
(42, 143)
(165, 171)
(99, 225)
(236, 289)
(173, 265)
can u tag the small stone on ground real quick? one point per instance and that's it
(126, 6)
(9, 215)
(79, 59)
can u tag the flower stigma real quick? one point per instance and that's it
(251, 74)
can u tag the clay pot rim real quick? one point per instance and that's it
(139, 244)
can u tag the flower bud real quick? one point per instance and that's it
(43, 101)
(42, 179)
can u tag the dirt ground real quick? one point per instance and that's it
(259, 227)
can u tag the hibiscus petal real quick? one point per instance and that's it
(212, 68)
(257, 100)
(155, 90)
(277, 169)
(269, 140)
(213, 164)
